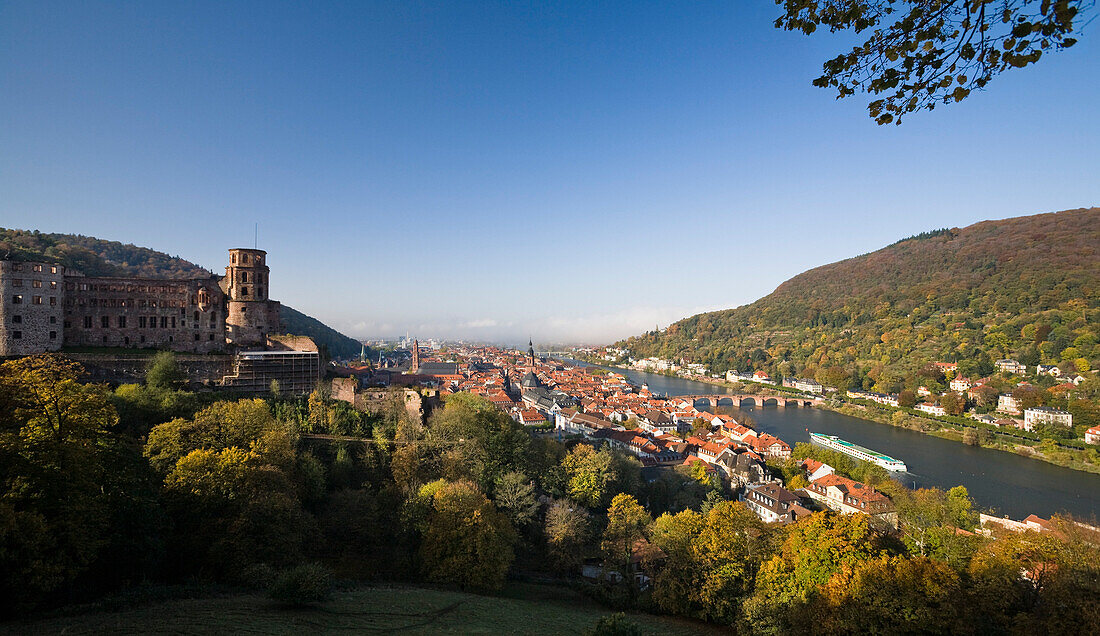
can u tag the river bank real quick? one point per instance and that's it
(1005, 482)
(1049, 451)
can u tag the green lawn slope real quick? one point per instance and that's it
(529, 609)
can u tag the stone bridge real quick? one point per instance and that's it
(744, 401)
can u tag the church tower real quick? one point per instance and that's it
(416, 357)
(531, 351)
(252, 317)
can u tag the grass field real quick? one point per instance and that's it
(524, 609)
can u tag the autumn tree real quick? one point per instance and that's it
(789, 585)
(466, 542)
(568, 529)
(952, 403)
(911, 595)
(627, 525)
(54, 440)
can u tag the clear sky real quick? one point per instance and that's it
(570, 171)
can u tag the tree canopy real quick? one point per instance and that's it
(921, 53)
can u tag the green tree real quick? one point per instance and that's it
(514, 495)
(164, 372)
(920, 55)
(591, 474)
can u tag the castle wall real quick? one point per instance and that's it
(31, 301)
(43, 308)
(123, 369)
(181, 315)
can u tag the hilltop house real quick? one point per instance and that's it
(773, 503)
(847, 496)
(1012, 367)
(960, 384)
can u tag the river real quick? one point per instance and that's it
(998, 481)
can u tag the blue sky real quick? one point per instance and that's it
(573, 171)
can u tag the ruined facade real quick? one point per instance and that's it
(43, 307)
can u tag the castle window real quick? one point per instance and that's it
(105, 321)
(36, 283)
(260, 292)
(143, 338)
(164, 322)
(37, 268)
(53, 320)
(53, 284)
(196, 317)
(244, 291)
(17, 335)
(53, 335)
(18, 267)
(196, 337)
(122, 322)
(17, 299)
(53, 270)
(53, 300)
(38, 300)
(87, 322)
(17, 319)
(244, 277)
(173, 322)
(211, 337)
(126, 339)
(83, 286)
(141, 322)
(17, 282)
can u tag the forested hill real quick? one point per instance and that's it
(1026, 288)
(98, 257)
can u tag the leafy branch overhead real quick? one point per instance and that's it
(921, 53)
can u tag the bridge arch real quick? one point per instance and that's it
(746, 401)
(769, 401)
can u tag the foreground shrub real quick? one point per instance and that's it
(302, 585)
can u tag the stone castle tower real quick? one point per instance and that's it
(251, 317)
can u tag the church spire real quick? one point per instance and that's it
(531, 351)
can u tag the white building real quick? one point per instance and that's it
(931, 409)
(1046, 415)
(1010, 366)
(1008, 404)
(960, 385)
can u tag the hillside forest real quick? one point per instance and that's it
(1025, 288)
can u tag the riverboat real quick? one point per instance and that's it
(854, 450)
